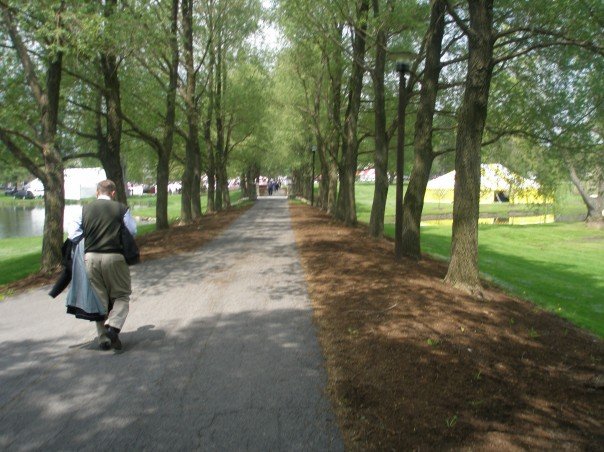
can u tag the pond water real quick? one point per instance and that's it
(534, 219)
(22, 221)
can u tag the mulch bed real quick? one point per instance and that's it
(414, 364)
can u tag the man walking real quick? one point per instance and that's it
(109, 275)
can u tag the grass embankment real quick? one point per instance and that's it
(20, 257)
(557, 266)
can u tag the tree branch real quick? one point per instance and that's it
(239, 142)
(544, 45)
(84, 79)
(79, 156)
(28, 66)
(21, 135)
(443, 152)
(460, 22)
(25, 161)
(139, 132)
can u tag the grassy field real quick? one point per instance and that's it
(566, 204)
(20, 256)
(558, 266)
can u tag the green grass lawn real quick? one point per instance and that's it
(566, 204)
(558, 266)
(20, 256)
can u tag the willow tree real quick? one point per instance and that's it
(159, 61)
(338, 33)
(346, 206)
(422, 143)
(319, 57)
(33, 142)
(495, 38)
(110, 140)
(378, 208)
(233, 23)
(191, 179)
(394, 26)
(463, 268)
(292, 121)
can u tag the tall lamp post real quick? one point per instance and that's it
(313, 151)
(402, 68)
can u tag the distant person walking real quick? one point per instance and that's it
(109, 275)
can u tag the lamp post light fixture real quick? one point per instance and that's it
(313, 150)
(402, 68)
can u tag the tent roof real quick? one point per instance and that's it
(494, 176)
(90, 175)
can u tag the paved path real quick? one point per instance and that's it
(220, 354)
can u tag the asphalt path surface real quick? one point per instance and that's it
(220, 353)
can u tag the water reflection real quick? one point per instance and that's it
(535, 219)
(24, 221)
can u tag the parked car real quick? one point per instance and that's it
(23, 194)
(149, 189)
(36, 187)
(10, 191)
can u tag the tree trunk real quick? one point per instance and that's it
(400, 164)
(334, 138)
(463, 268)
(323, 199)
(346, 196)
(333, 185)
(243, 182)
(594, 205)
(211, 166)
(196, 190)
(380, 193)
(418, 181)
(186, 214)
(163, 163)
(110, 155)
(218, 196)
(252, 173)
(220, 131)
(54, 205)
(226, 196)
(54, 183)
(161, 206)
(189, 185)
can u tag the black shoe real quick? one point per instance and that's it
(112, 334)
(105, 346)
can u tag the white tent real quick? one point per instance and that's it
(496, 183)
(79, 182)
